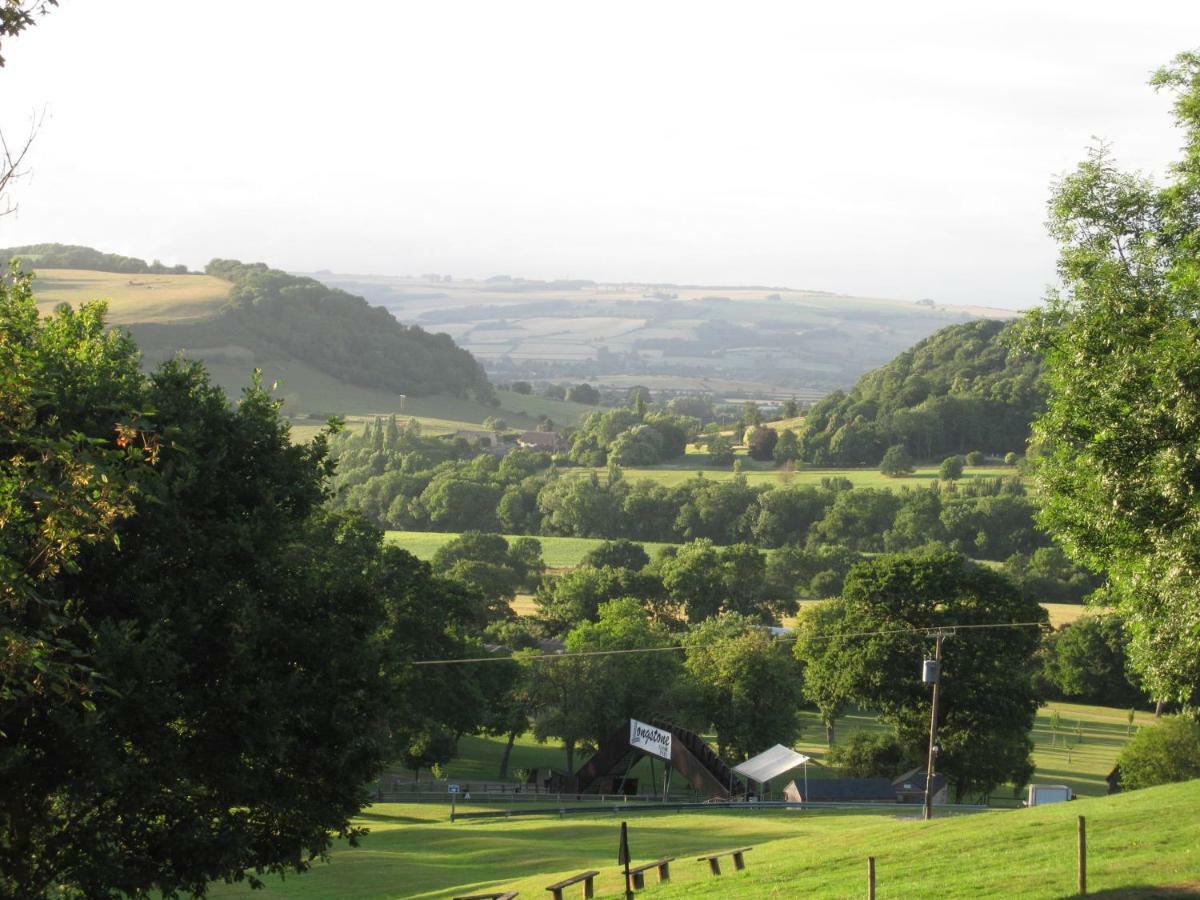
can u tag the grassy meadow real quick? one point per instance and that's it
(1135, 840)
(134, 297)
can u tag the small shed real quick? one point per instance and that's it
(842, 790)
(910, 787)
(779, 760)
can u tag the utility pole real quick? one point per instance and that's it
(932, 673)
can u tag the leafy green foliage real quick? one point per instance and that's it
(745, 685)
(896, 462)
(1162, 754)
(961, 387)
(1087, 661)
(630, 437)
(951, 468)
(987, 698)
(1117, 467)
(65, 256)
(867, 755)
(188, 635)
(17, 15)
(760, 442)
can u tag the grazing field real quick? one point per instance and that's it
(1135, 840)
(558, 552)
(134, 297)
(670, 475)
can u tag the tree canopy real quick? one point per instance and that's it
(961, 388)
(1117, 467)
(867, 647)
(202, 667)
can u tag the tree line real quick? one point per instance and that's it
(69, 256)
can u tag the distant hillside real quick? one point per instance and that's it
(70, 256)
(737, 342)
(334, 353)
(961, 389)
(342, 335)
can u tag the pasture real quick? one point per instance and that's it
(134, 297)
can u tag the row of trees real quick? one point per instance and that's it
(69, 256)
(401, 479)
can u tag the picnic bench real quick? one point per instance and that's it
(586, 877)
(639, 872)
(714, 864)
(506, 895)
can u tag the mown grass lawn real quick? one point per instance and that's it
(1144, 838)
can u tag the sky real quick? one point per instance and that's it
(884, 149)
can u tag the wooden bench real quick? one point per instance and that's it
(507, 895)
(585, 877)
(713, 863)
(664, 872)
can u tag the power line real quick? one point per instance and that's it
(547, 657)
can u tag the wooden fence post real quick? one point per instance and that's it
(1082, 858)
(870, 878)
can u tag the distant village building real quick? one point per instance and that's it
(549, 441)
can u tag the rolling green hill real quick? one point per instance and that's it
(1136, 842)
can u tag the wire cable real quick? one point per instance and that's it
(547, 657)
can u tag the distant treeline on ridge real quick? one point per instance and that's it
(69, 256)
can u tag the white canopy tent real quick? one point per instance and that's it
(772, 763)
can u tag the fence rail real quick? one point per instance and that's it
(658, 805)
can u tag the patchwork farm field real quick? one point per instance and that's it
(730, 341)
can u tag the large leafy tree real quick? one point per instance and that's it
(743, 683)
(866, 649)
(582, 699)
(197, 662)
(1118, 470)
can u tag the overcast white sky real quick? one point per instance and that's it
(882, 148)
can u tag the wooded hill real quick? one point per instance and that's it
(318, 340)
(963, 388)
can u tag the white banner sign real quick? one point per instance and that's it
(651, 739)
